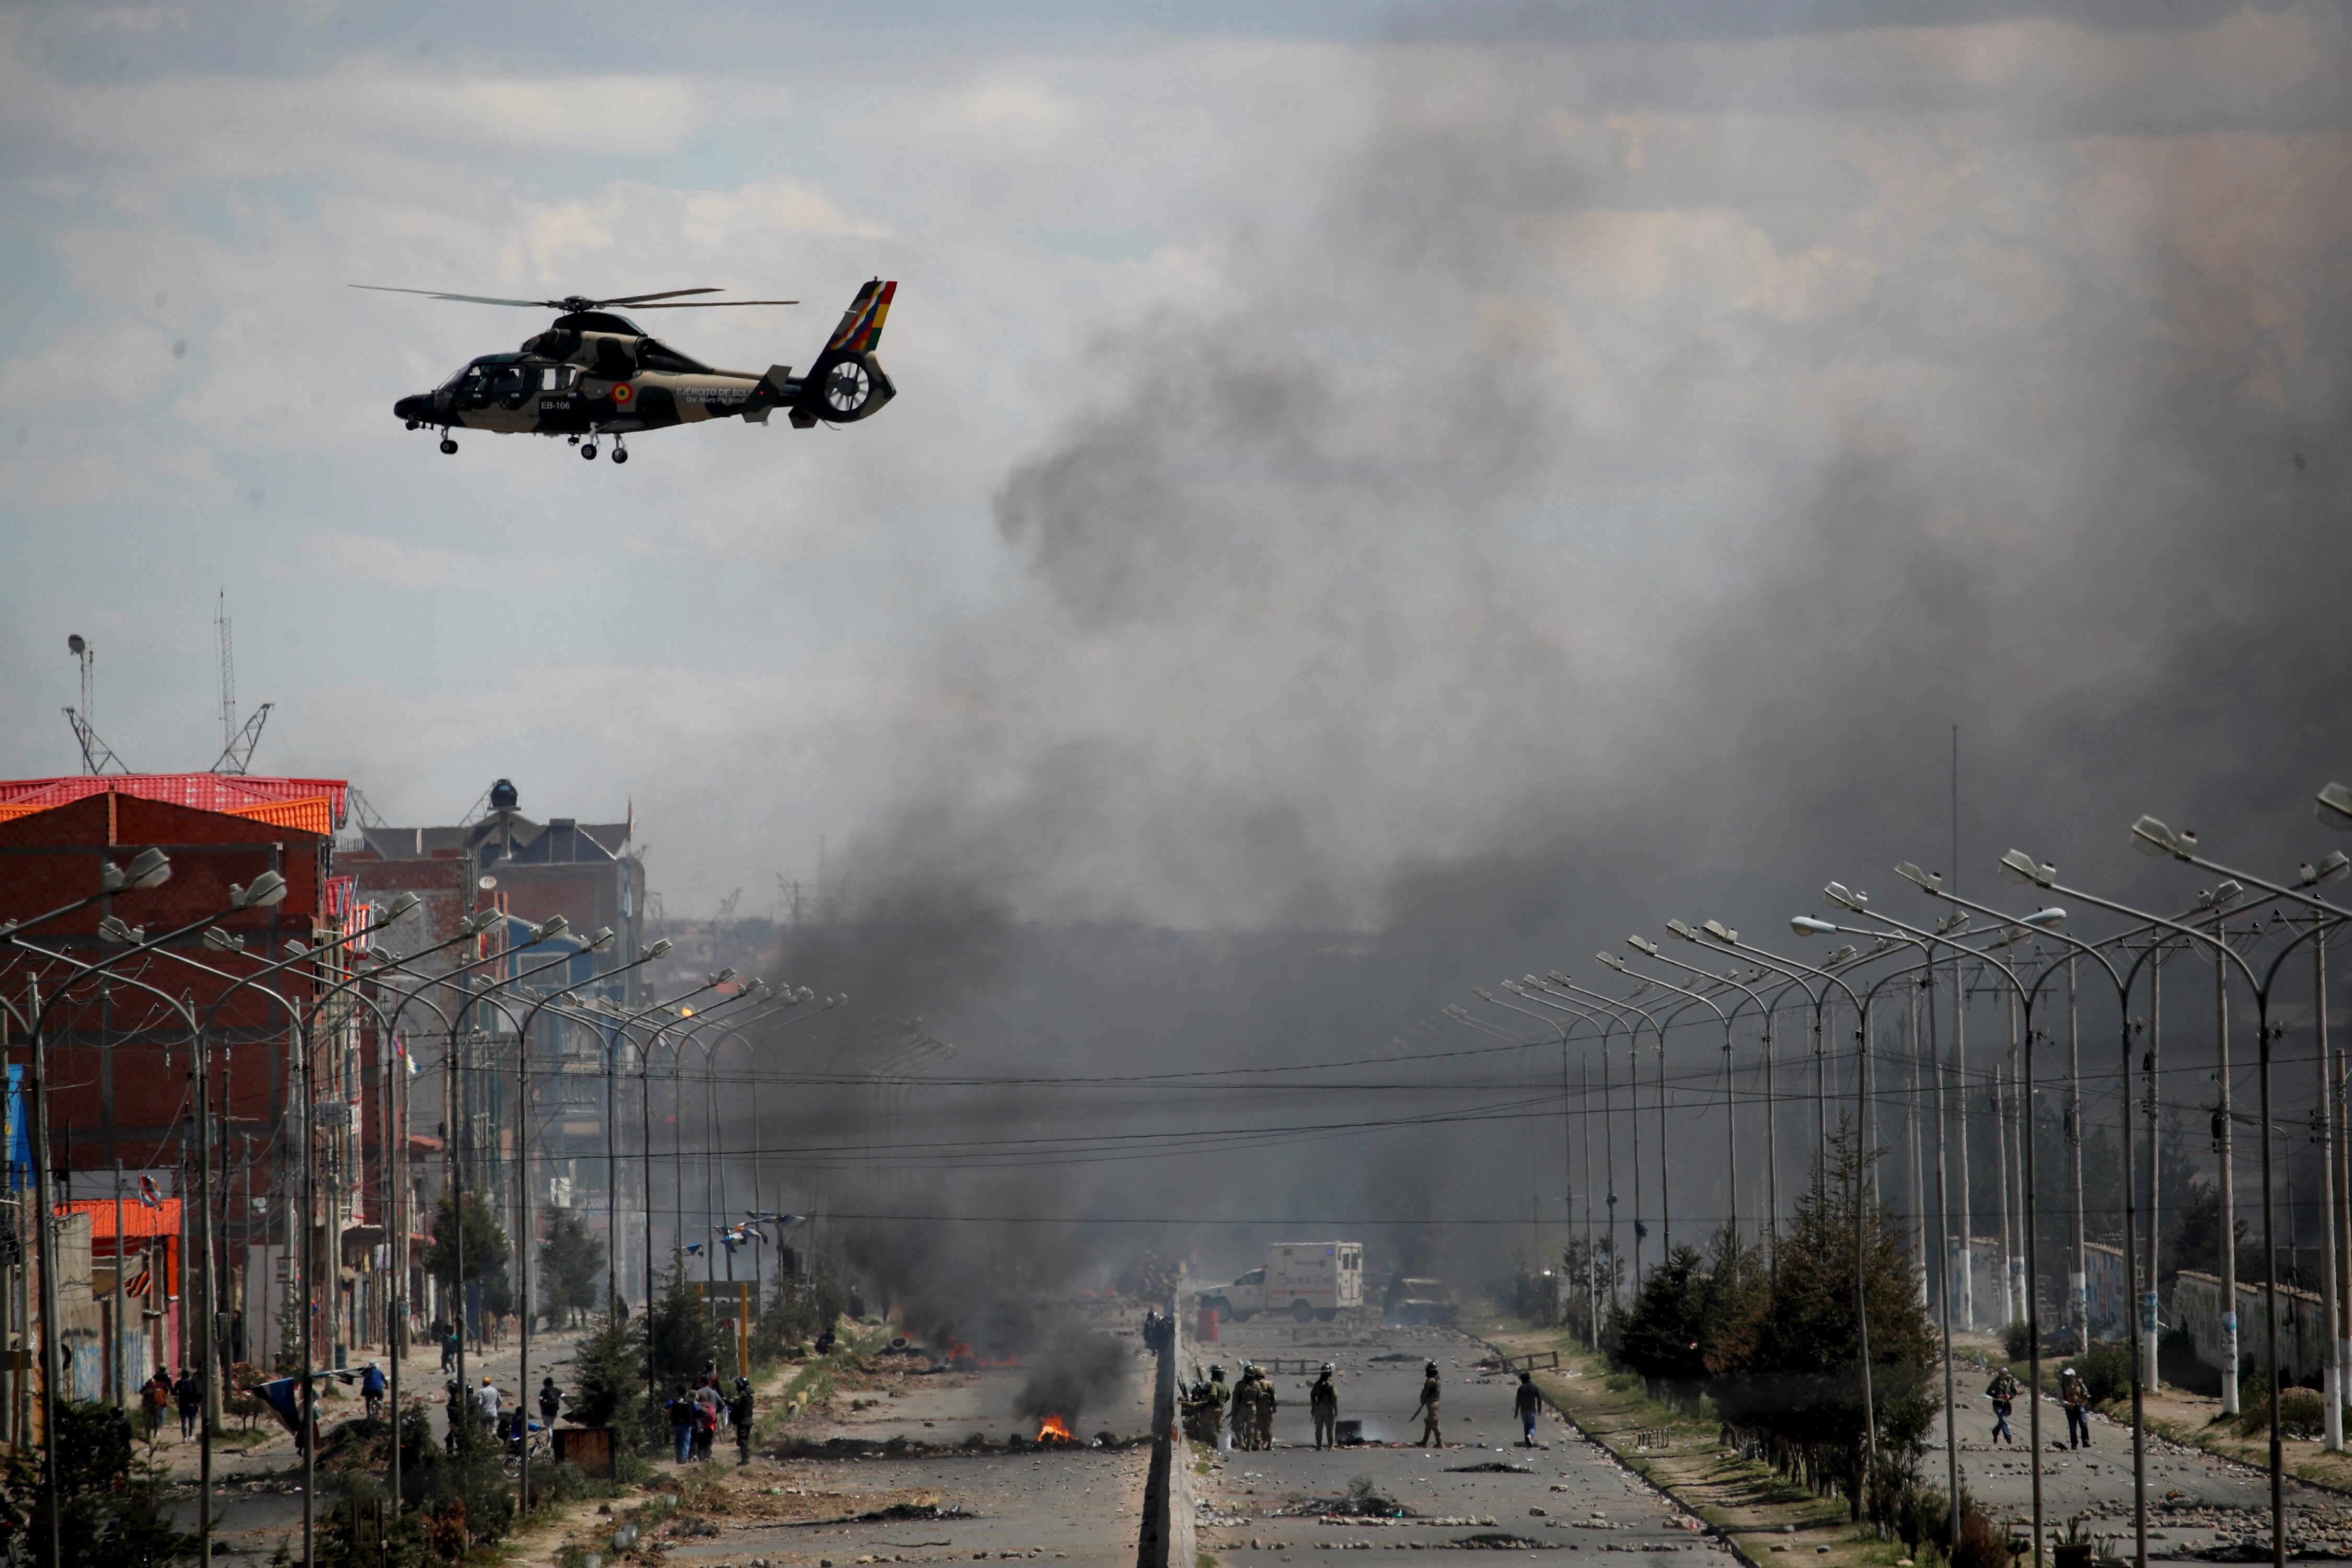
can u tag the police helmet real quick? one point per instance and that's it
(1328, 1367)
(1429, 1367)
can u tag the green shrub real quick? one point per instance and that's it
(2302, 1413)
(2254, 1404)
(2017, 1341)
(795, 1311)
(2106, 1372)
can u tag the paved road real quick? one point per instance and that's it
(2194, 1498)
(1566, 1495)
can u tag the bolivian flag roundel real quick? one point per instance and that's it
(622, 393)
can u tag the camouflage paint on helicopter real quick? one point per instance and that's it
(593, 374)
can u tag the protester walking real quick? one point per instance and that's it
(2002, 1391)
(739, 1411)
(2076, 1399)
(1526, 1403)
(188, 1396)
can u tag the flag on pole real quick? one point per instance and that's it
(149, 1193)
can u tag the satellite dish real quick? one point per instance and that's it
(74, 645)
(487, 883)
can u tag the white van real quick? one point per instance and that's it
(1306, 1279)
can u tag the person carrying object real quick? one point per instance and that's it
(2076, 1399)
(2002, 1391)
(1427, 1408)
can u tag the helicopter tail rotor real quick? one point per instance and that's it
(847, 384)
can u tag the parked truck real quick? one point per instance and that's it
(1306, 1279)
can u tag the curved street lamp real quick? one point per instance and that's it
(2155, 838)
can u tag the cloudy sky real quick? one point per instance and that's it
(1335, 449)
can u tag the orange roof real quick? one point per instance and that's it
(315, 805)
(138, 1219)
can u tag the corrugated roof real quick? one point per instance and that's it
(314, 806)
(138, 1219)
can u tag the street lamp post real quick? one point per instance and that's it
(1730, 1095)
(1727, 937)
(266, 889)
(306, 1265)
(2017, 865)
(1838, 896)
(1557, 980)
(2153, 836)
(178, 1004)
(1568, 1153)
(1542, 993)
(523, 1230)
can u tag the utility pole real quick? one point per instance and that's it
(2332, 1378)
(2229, 1238)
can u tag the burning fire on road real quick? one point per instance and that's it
(1053, 1430)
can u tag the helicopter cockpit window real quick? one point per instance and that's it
(557, 377)
(510, 381)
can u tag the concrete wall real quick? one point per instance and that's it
(2196, 1307)
(2110, 1290)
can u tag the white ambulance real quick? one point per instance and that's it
(1304, 1279)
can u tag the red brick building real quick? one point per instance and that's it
(120, 1059)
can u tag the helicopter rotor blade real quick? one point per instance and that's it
(664, 294)
(467, 298)
(713, 304)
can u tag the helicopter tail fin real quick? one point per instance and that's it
(860, 332)
(846, 384)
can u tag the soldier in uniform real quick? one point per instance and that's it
(1205, 1407)
(1429, 1393)
(1323, 1404)
(1265, 1404)
(1249, 1403)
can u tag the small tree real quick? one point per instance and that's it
(571, 1267)
(109, 1503)
(1662, 1338)
(797, 1310)
(679, 1334)
(468, 1242)
(1797, 1380)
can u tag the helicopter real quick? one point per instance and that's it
(595, 374)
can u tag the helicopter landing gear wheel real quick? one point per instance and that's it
(448, 446)
(620, 453)
(589, 451)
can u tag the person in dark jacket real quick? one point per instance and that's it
(1526, 1403)
(1427, 1408)
(189, 1397)
(153, 1396)
(1323, 1404)
(739, 1411)
(681, 1424)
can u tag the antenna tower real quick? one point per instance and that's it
(237, 742)
(97, 756)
